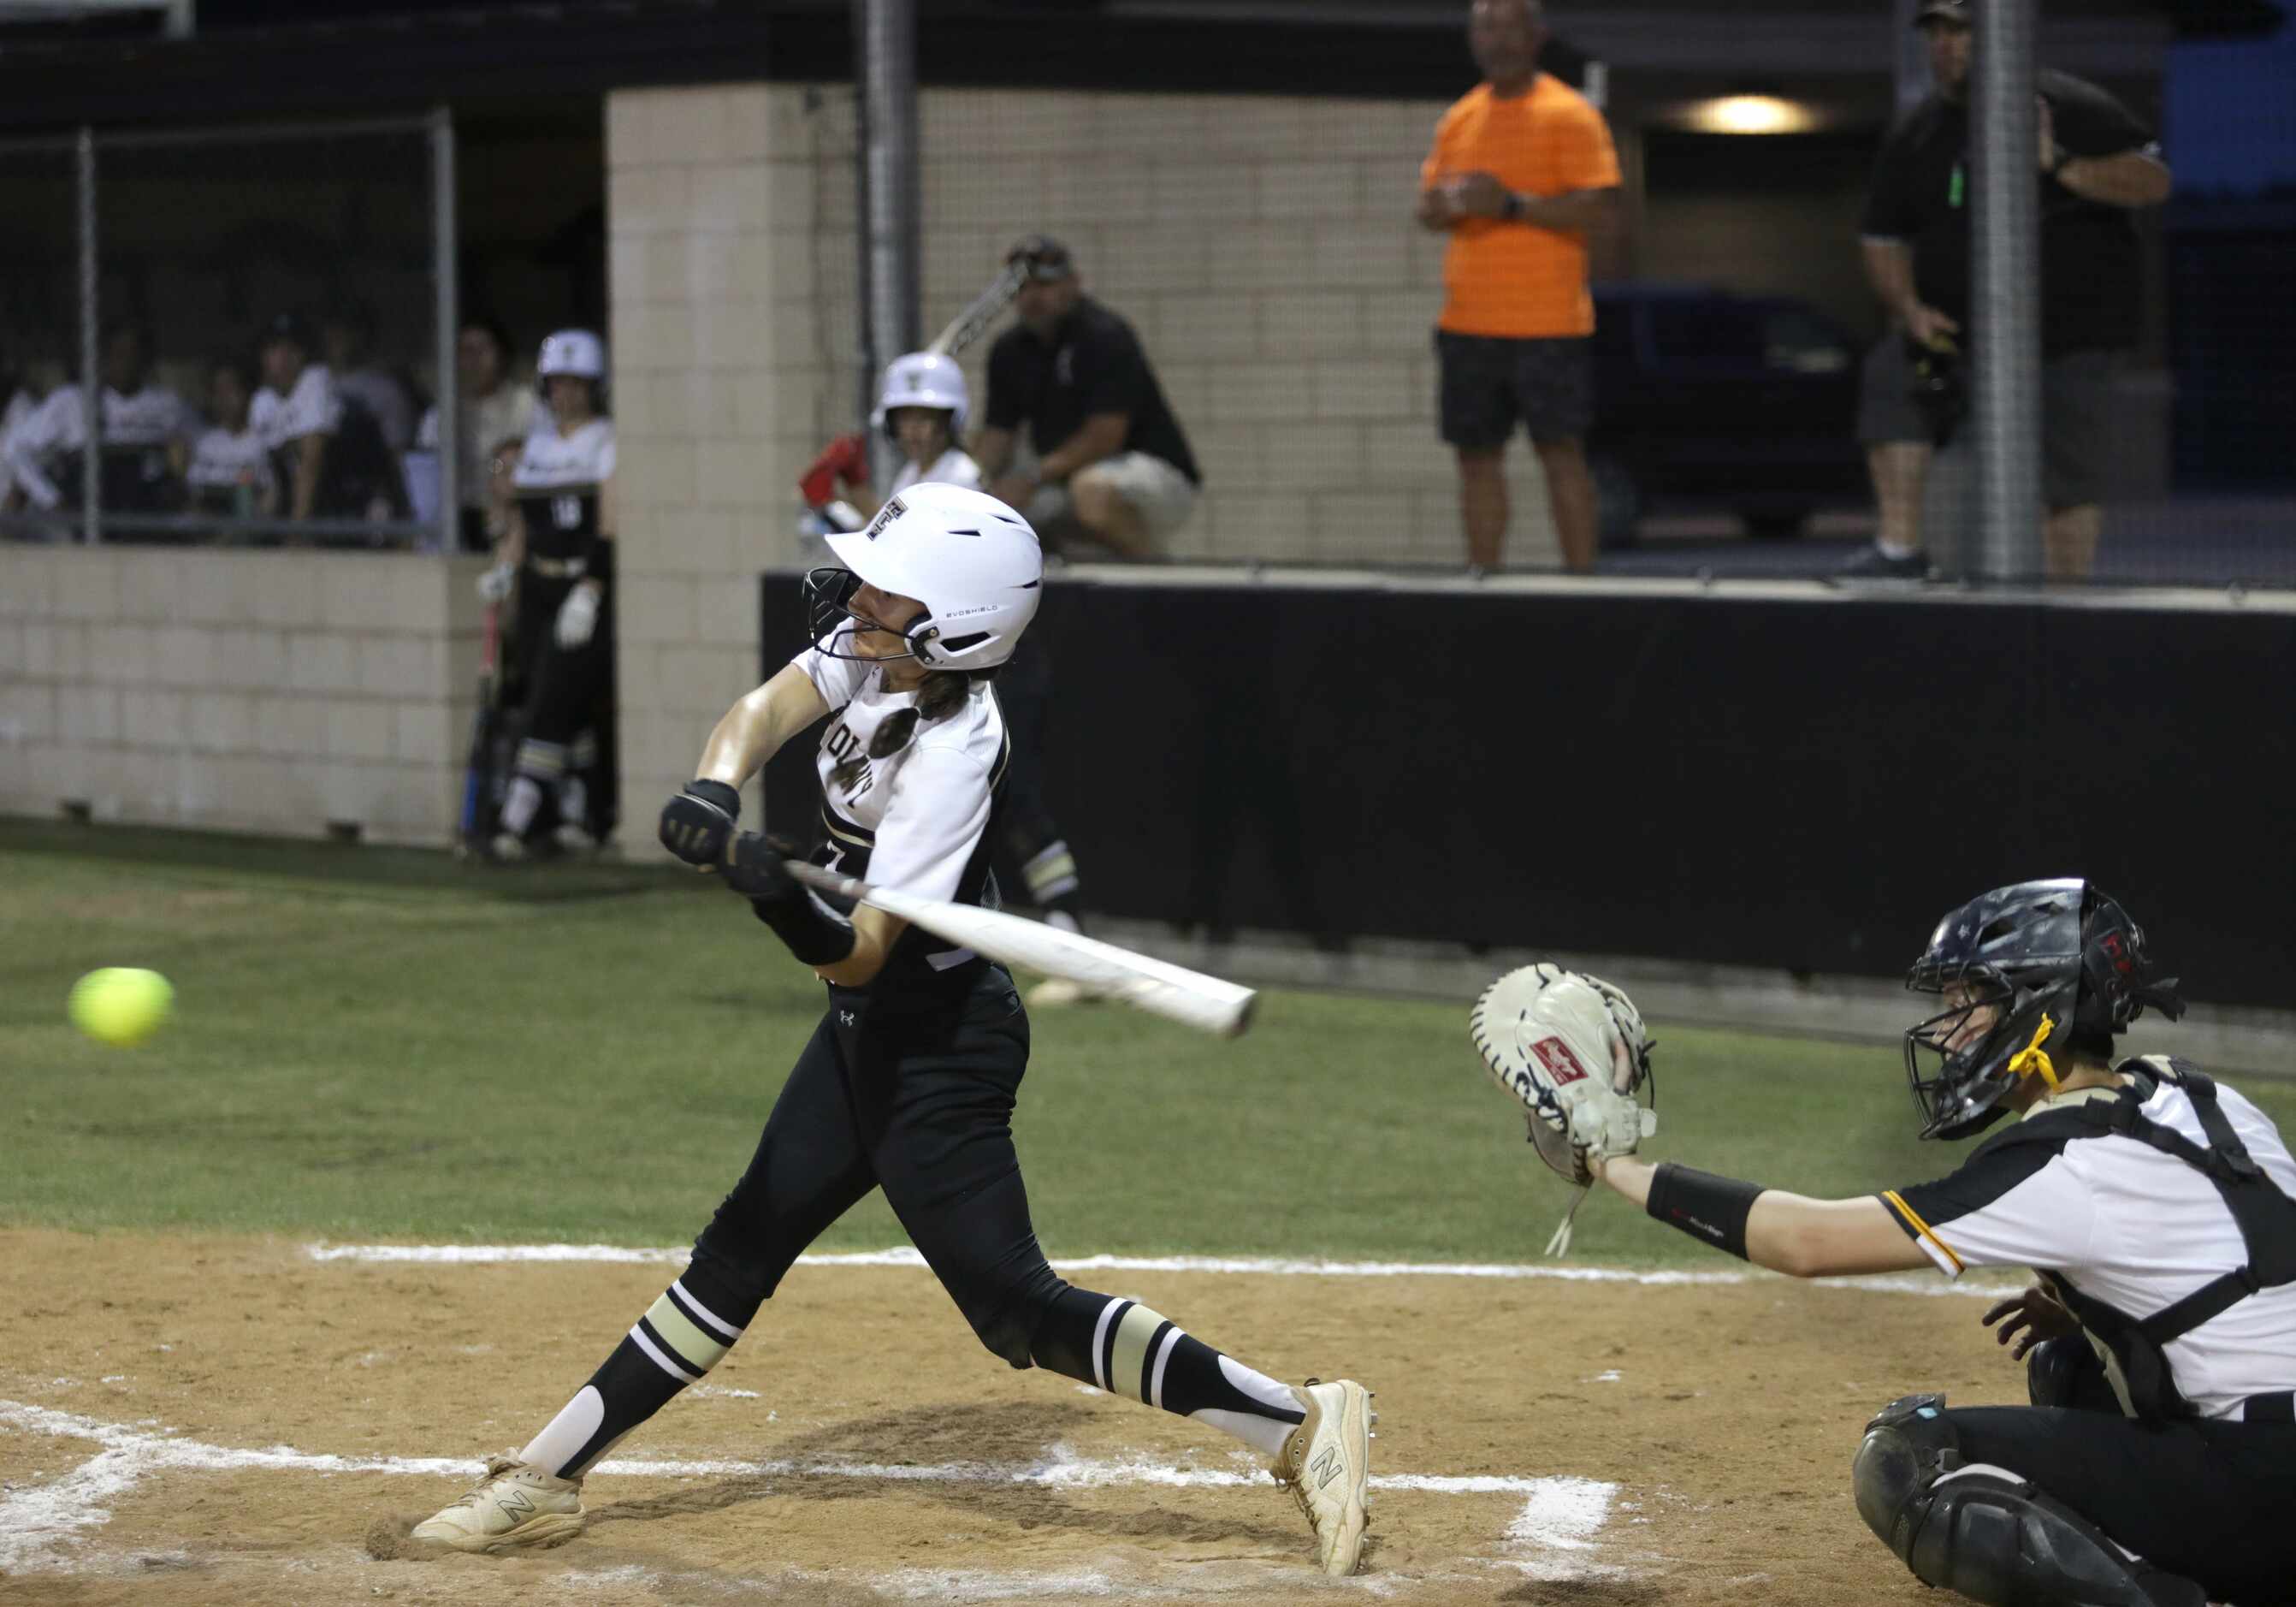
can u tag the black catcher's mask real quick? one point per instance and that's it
(2045, 968)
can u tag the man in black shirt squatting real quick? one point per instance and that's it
(1112, 463)
(2098, 164)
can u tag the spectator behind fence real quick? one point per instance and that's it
(1521, 171)
(23, 386)
(347, 337)
(1112, 462)
(494, 417)
(231, 473)
(2098, 163)
(145, 429)
(297, 413)
(328, 452)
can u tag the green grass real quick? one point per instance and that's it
(370, 1043)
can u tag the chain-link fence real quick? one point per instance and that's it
(266, 306)
(1747, 402)
(39, 318)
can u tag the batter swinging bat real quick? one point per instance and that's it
(970, 325)
(1173, 992)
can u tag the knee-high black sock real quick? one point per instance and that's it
(1126, 1350)
(682, 1336)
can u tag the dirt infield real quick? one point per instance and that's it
(206, 1421)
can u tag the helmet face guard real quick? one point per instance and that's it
(2038, 968)
(829, 591)
(1959, 1061)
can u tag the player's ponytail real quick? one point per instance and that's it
(943, 693)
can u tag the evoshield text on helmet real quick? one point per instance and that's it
(2032, 970)
(923, 379)
(972, 562)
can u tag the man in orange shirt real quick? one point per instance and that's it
(1521, 171)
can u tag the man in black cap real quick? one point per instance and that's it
(2098, 164)
(1112, 463)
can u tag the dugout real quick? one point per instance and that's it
(1787, 777)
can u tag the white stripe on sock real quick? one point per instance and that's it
(563, 1438)
(703, 1312)
(1259, 1386)
(1156, 1378)
(1262, 1434)
(1099, 1332)
(662, 1361)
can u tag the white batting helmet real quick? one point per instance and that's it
(923, 379)
(573, 352)
(972, 562)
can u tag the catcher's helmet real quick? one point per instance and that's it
(2044, 967)
(972, 562)
(921, 379)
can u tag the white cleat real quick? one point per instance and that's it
(1325, 1463)
(513, 1508)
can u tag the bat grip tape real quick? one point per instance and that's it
(1712, 1210)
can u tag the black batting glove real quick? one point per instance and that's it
(698, 823)
(753, 869)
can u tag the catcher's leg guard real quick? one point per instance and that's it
(1985, 1532)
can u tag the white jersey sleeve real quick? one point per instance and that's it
(933, 821)
(46, 429)
(312, 407)
(2016, 1205)
(839, 681)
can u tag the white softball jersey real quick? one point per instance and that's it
(917, 820)
(953, 467)
(311, 406)
(152, 417)
(2127, 1224)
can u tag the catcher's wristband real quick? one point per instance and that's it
(1712, 1210)
(814, 938)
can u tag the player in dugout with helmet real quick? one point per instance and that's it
(2156, 1465)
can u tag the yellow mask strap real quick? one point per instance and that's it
(2032, 1057)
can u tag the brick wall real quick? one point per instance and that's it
(263, 691)
(1262, 247)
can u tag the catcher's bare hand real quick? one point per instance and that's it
(2028, 1317)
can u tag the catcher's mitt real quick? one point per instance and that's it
(1572, 1048)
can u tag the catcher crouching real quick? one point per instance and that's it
(2156, 1462)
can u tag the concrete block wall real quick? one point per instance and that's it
(1263, 248)
(267, 691)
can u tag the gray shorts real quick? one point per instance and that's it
(2077, 414)
(1157, 491)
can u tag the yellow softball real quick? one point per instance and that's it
(120, 1005)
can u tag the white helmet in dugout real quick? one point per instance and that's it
(972, 562)
(923, 379)
(572, 352)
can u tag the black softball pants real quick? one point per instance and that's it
(2208, 1499)
(913, 1093)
